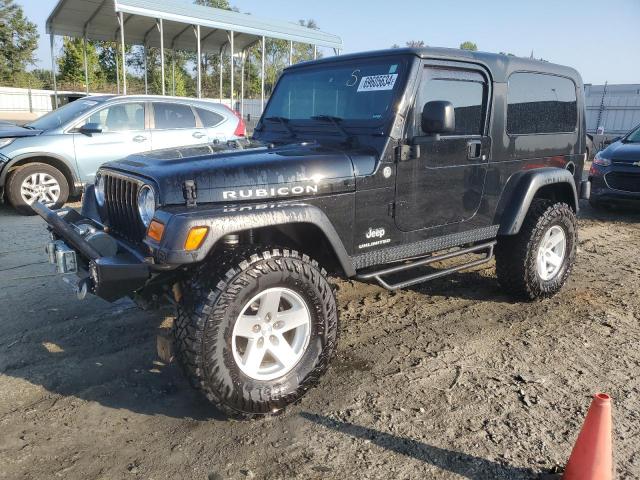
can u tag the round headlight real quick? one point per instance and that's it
(146, 204)
(99, 189)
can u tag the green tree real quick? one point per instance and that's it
(303, 51)
(18, 41)
(469, 46)
(110, 60)
(37, 78)
(415, 44)
(210, 63)
(71, 64)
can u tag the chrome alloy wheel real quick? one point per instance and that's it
(40, 187)
(271, 334)
(551, 253)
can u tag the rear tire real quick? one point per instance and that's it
(220, 320)
(37, 182)
(530, 265)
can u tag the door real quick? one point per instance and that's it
(175, 125)
(442, 182)
(123, 133)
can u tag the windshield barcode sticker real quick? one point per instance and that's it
(377, 82)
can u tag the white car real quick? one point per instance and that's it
(55, 155)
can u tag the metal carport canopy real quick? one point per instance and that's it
(98, 20)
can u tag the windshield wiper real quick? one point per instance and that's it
(284, 122)
(336, 122)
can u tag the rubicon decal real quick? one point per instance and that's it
(245, 193)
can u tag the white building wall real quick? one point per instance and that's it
(621, 108)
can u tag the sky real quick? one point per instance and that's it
(601, 39)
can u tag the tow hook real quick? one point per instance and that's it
(81, 288)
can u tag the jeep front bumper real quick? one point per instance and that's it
(108, 276)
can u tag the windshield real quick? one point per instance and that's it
(358, 91)
(633, 137)
(62, 115)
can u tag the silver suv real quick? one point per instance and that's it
(61, 151)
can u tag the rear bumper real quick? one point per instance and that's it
(108, 277)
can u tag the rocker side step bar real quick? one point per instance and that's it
(377, 275)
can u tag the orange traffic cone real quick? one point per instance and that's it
(592, 455)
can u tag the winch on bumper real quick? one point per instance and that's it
(105, 266)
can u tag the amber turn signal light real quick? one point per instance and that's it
(155, 230)
(195, 238)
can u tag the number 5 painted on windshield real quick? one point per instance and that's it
(354, 77)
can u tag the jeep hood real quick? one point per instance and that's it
(253, 173)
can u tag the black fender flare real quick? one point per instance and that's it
(520, 190)
(223, 220)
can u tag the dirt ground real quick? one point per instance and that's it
(447, 380)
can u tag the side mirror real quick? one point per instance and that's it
(89, 128)
(438, 117)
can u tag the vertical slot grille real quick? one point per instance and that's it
(121, 202)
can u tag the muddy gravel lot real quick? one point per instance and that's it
(448, 380)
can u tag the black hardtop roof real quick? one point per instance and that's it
(499, 65)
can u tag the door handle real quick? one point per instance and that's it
(474, 149)
(139, 138)
(198, 135)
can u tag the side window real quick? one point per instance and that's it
(465, 89)
(118, 118)
(209, 118)
(539, 103)
(173, 115)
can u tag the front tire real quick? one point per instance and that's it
(255, 329)
(37, 182)
(537, 261)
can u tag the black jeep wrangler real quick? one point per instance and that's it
(364, 166)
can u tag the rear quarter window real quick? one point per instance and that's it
(209, 118)
(540, 103)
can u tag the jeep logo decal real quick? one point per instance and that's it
(269, 192)
(375, 233)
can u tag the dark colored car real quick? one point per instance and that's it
(363, 166)
(615, 172)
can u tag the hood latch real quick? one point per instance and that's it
(190, 192)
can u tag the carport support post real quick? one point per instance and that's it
(161, 29)
(124, 59)
(264, 42)
(315, 52)
(199, 62)
(116, 49)
(146, 80)
(242, 84)
(53, 70)
(173, 72)
(220, 86)
(290, 52)
(231, 35)
(86, 66)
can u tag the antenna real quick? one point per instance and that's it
(604, 93)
